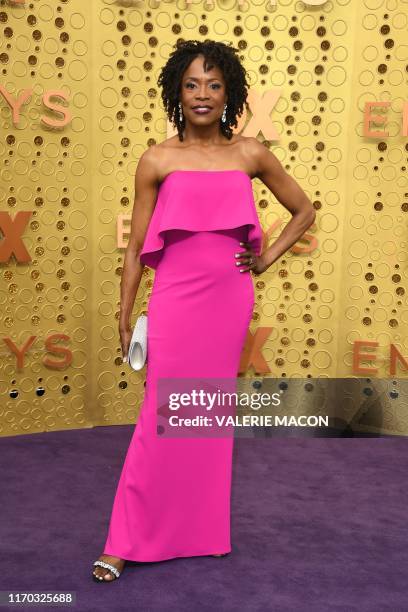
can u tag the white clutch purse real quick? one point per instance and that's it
(138, 344)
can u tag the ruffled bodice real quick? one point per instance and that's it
(201, 200)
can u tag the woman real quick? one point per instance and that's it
(194, 221)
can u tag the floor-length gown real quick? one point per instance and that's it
(173, 495)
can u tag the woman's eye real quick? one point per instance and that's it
(214, 85)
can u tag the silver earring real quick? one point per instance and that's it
(180, 112)
(224, 114)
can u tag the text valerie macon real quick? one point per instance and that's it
(211, 401)
(250, 420)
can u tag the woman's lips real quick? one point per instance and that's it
(202, 111)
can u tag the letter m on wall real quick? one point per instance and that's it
(11, 231)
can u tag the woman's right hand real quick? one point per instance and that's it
(125, 333)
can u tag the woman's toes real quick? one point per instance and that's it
(98, 575)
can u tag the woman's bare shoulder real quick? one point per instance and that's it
(164, 151)
(156, 157)
(249, 151)
(170, 143)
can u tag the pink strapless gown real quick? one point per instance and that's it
(173, 495)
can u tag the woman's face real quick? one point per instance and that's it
(202, 89)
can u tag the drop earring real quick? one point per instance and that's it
(180, 112)
(224, 114)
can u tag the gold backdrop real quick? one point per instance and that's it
(79, 106)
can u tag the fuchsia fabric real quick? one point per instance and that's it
(173, 495)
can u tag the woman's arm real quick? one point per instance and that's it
(287, 191)
(146, 189)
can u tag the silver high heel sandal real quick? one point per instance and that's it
(113, 570)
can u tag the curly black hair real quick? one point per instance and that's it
(222, 55)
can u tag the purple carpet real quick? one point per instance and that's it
(317, 524)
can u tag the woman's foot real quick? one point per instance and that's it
(102, 573)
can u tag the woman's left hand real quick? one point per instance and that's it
(248, 261)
